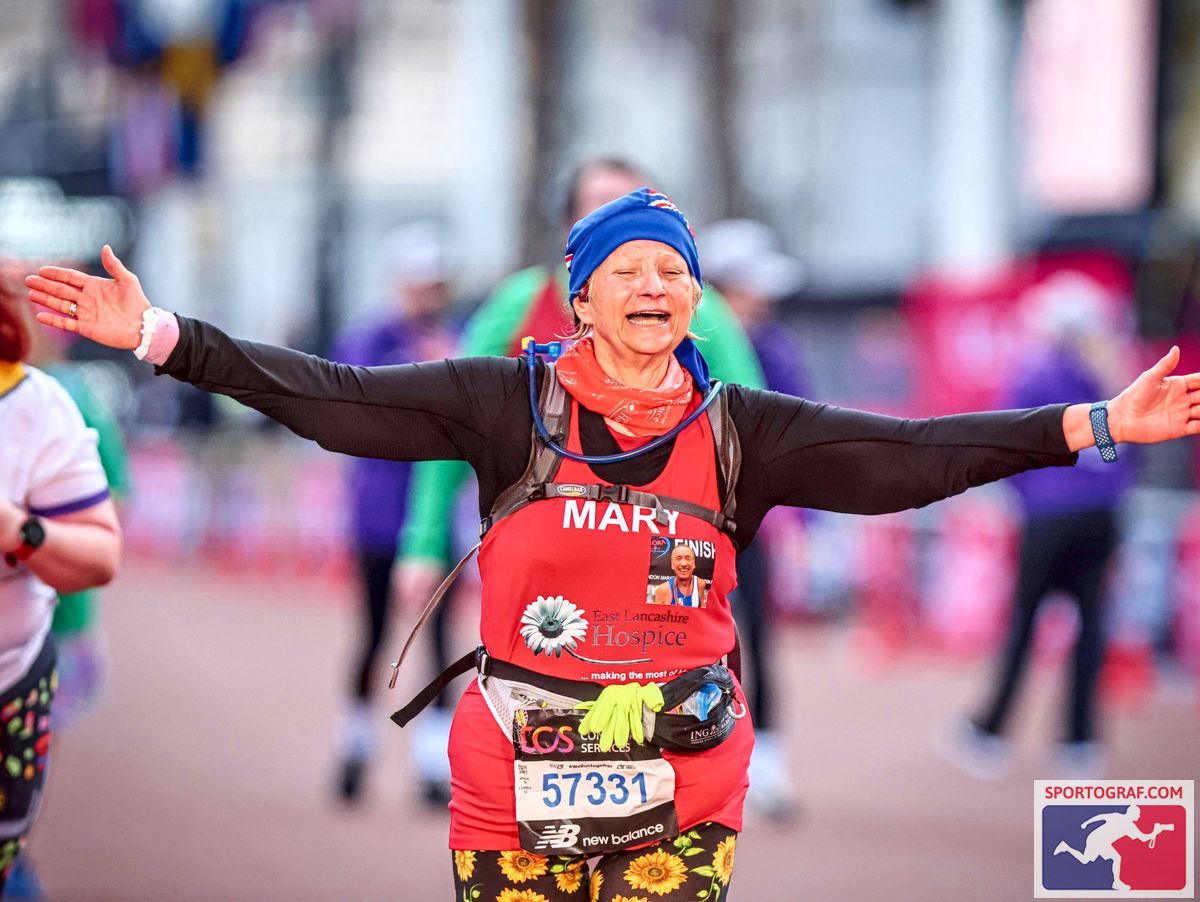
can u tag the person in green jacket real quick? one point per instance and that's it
(532, 302)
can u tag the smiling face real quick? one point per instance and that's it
(683, 562)
(639, 302)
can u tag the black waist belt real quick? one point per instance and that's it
(677, 732)
(421, 700)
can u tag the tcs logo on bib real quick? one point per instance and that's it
(546, 740)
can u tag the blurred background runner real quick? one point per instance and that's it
(1076, 345)
(411, 327)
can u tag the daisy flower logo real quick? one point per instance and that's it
(552, 625)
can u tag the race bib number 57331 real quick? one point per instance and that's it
(572, 798)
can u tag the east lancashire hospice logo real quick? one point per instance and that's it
(1122, 838)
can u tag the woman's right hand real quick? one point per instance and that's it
(108, 311)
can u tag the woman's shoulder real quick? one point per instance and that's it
(39, 414)
(42, 389)
(749, 406)
(499, 377)
(491, 366)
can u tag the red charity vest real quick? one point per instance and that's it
(606, 562)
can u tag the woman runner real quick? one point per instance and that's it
(650, 781)
(58, 533)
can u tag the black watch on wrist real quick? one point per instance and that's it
(32, 534)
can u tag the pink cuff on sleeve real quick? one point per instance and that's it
(166, 336)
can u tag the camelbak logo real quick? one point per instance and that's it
(570, 490)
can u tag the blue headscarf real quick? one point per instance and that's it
(641, 214)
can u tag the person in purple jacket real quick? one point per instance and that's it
(413, 328)
(1069, 532)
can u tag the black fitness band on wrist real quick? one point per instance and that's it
(1099, 418)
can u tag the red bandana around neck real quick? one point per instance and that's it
(643, 411)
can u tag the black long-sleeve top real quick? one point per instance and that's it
(794, 451)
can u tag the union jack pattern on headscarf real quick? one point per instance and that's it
(658, 199)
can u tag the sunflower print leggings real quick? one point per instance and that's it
(24, 750)
(696, 865)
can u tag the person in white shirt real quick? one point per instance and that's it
(58, 533)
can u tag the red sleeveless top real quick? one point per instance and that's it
(569, 589)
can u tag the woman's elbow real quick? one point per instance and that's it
(105, 573)
(102, 570)
(92, 575)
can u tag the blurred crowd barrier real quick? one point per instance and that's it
(241, 501)
(942, 579)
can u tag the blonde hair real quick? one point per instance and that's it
(582, 329)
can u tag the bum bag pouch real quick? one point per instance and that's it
(685, 732)
(674, 732)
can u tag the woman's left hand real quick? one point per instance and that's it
(1157, 406)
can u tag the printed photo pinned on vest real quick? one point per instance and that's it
(681, 570)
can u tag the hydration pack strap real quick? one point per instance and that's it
(543, 464)
(729, 454)
(430, 607)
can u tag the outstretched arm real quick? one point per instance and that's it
(1152, 836)
(829, 458)
(422, 411)
(813, 455)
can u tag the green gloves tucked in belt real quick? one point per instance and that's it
(617, 713)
